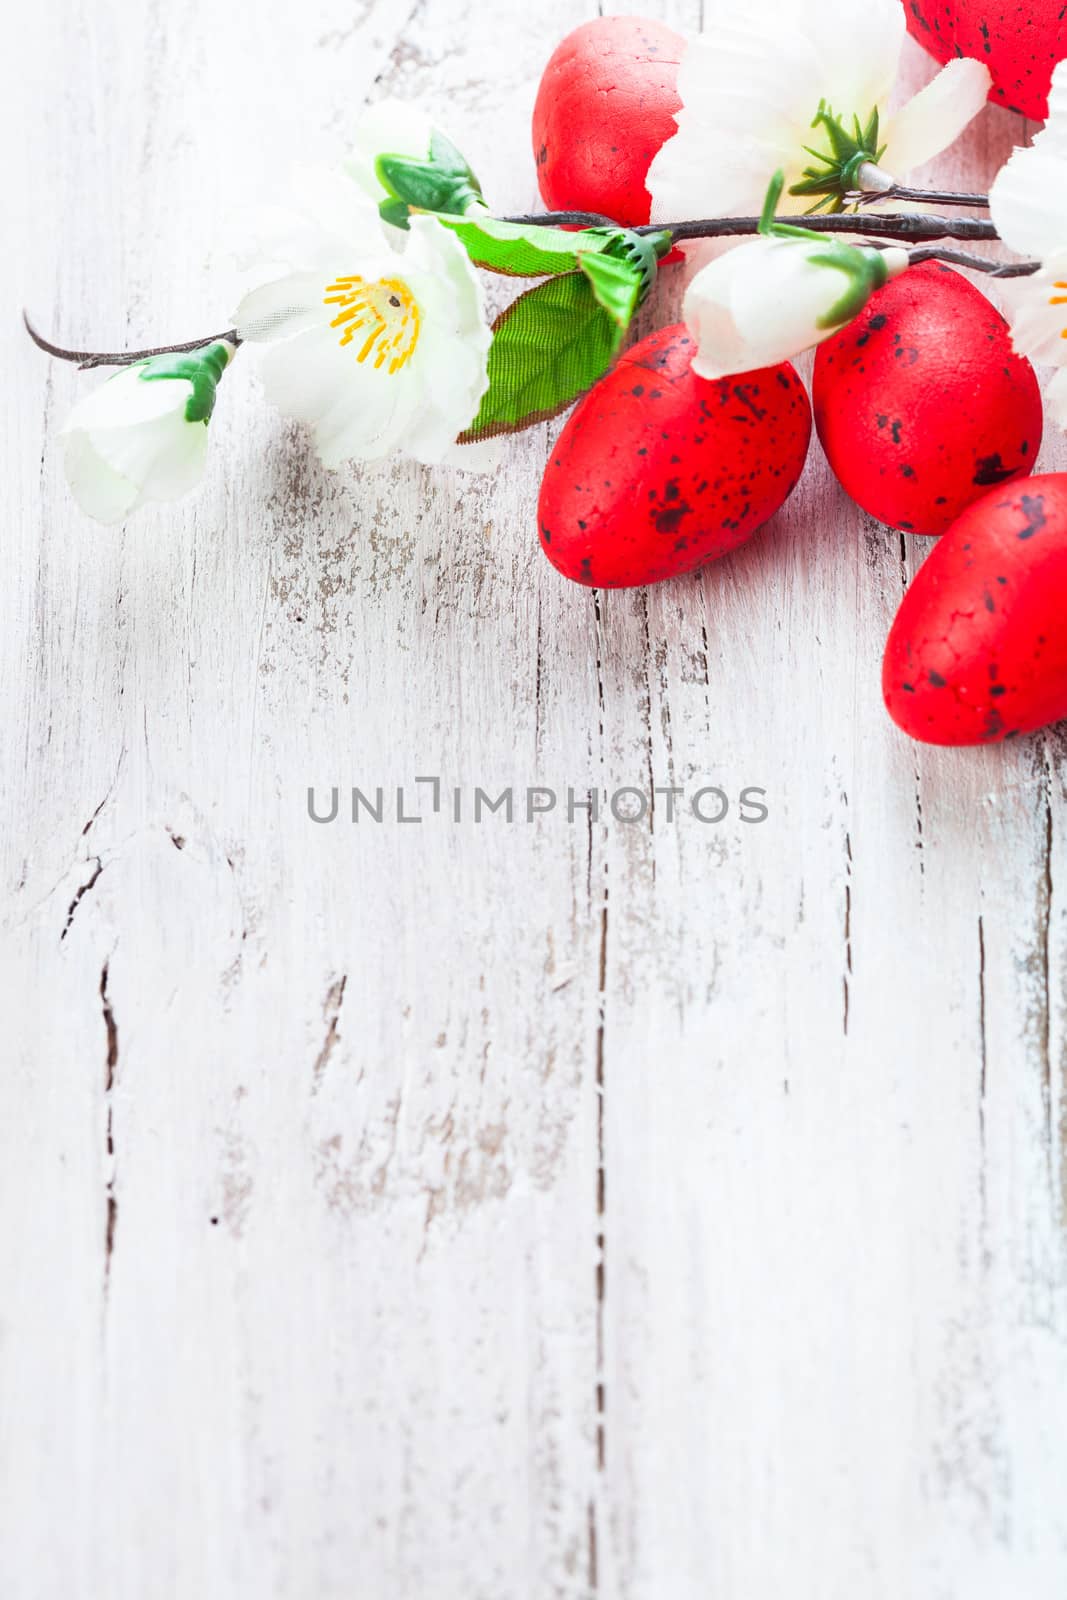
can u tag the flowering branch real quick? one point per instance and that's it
(392, 349)
(902, 227)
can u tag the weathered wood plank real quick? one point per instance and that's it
(475, 1209)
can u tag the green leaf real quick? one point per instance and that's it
(441, 181)
(518, 250)
(616, 283)
(837, 171)
(864, 270)
(549, 347)
(447, 158)
(395, 212)
(426, 187)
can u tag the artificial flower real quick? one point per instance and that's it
(398, 156)
(801, 85)
(1028, 203)
(143, 434)
(377, 351)
(393, 127)
(766, 301)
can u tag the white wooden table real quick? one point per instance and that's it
(496, 1212)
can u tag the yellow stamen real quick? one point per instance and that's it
(387, 307)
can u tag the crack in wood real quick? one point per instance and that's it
(331, 1011)
(847, 976)
(1045, 948)
(84, 890)
(538, 707)
(599, 1391)
(983, 1080)
(110, 1074)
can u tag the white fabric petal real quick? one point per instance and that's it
(126, 399)
(746, 110)
(750, 86)
(129, 441)
(286, 306)
(858, 50)
(456, 336)
(1056, 399)
(1028, 199)
(325, 216)
(935, 117)
(164, 457)
(101, 492)
(1037, 311)
(764, 302)
(354, 412)
(708, 314)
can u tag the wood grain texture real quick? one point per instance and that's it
(482, 1212)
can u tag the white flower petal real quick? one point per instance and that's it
(129, 441)
(354, 412)
(936, 116)
(286, 306)
(745, 112)
(324, 215)
(1037, 311)
(1028, 199)
(101, 492)
(1056, 399)
(750, 87)
(126, 399)
(708, 314)
(765, 302)
(858, 52)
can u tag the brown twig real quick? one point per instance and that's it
(121, 358)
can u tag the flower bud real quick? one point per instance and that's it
(767, 301)
(143, 434)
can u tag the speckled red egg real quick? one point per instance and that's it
(921, 403)
(658, 471)
(605, 105)
(1020, 42)
(978, 650)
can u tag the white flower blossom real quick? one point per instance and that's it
(778, 85)
(376, 349)
(143, 434)
(766, 301)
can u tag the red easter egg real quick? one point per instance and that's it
(658, 471)
(978, 650)
(921, 403)
(605, 105)
(1020, 42)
